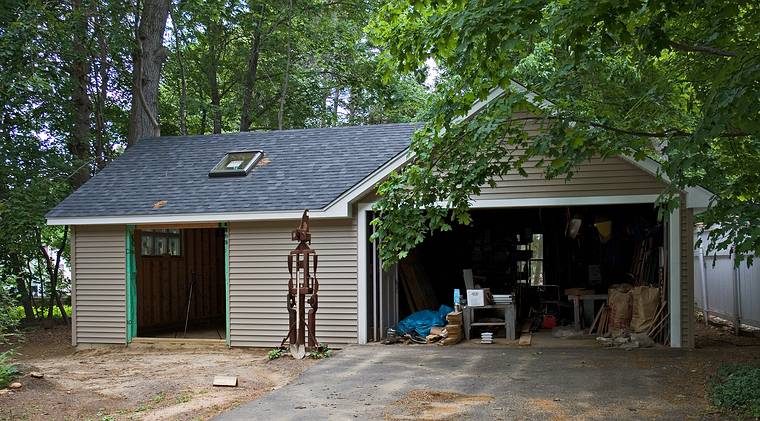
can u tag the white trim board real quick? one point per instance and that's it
(196, 217)
(562, 201)
(361, 275)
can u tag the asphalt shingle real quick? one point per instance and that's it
(306, 168)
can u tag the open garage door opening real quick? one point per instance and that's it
(180, 283)
(562, 271)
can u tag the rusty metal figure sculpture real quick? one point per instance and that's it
(302, 266)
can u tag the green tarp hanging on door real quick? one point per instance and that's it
(131, 266)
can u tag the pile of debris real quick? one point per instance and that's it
(631, 341)
(410, 330)
(634, 317)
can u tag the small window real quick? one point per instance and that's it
(537, 260)
(237, 163)
(161, 242)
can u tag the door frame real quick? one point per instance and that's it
(673, 236)
(131, 276)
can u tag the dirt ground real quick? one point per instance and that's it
(135, 383)
(147, 383)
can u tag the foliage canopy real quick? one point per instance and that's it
(675, 80)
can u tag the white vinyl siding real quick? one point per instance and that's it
(259, 279)
(99, 280)
(597, 177)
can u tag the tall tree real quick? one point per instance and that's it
(251, 72)
(286, 77)
(148, 60)
(678, 81)
(79, 144)
(178, 41)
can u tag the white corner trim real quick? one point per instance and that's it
(361, 275)
(674, 277)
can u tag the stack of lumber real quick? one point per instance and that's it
(645, 263)
(418, 290)
(454, 333)
(601, 324)
(525, 336)
(659, 331)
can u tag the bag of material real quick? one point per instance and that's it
(621, 309)
(422, 321)
(646, 301)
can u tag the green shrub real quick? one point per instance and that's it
(322, 351)
(275, 353)
(7, 370)
(8, 317)
(736, 388)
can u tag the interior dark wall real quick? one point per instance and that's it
(163, 283)
(485, 245)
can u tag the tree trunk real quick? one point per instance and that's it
(285, 80)
(182, 75)
(146, 73)
(79, 141)
(53, 270)
(335, 104)
(102, 92)
(26, 295)
(212, 70)
(250, 78)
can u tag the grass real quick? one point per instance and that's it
(8, 371)
(736, 388)
(18, 312)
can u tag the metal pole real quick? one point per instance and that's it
(703, 270)
(735, 284)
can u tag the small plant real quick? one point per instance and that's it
(322, 351)
(7, 370)
(101, 416)
(185, 397)
(158, 398)
(275, 353)
(736, 388)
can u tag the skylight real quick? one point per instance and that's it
(237, 163)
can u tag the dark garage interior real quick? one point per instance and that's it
(180, 283)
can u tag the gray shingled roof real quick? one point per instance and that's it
(308, 168)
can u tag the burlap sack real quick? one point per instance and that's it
(646, 300)
(621, 309)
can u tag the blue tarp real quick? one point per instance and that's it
(423, 320)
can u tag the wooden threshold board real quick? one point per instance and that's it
(179, 341)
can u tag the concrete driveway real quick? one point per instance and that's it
(483, 383)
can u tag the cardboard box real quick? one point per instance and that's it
(454, 330)
(476, 298)
(454, 318)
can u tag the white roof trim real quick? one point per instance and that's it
(194, 217)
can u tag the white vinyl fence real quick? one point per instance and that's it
(728, 292)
